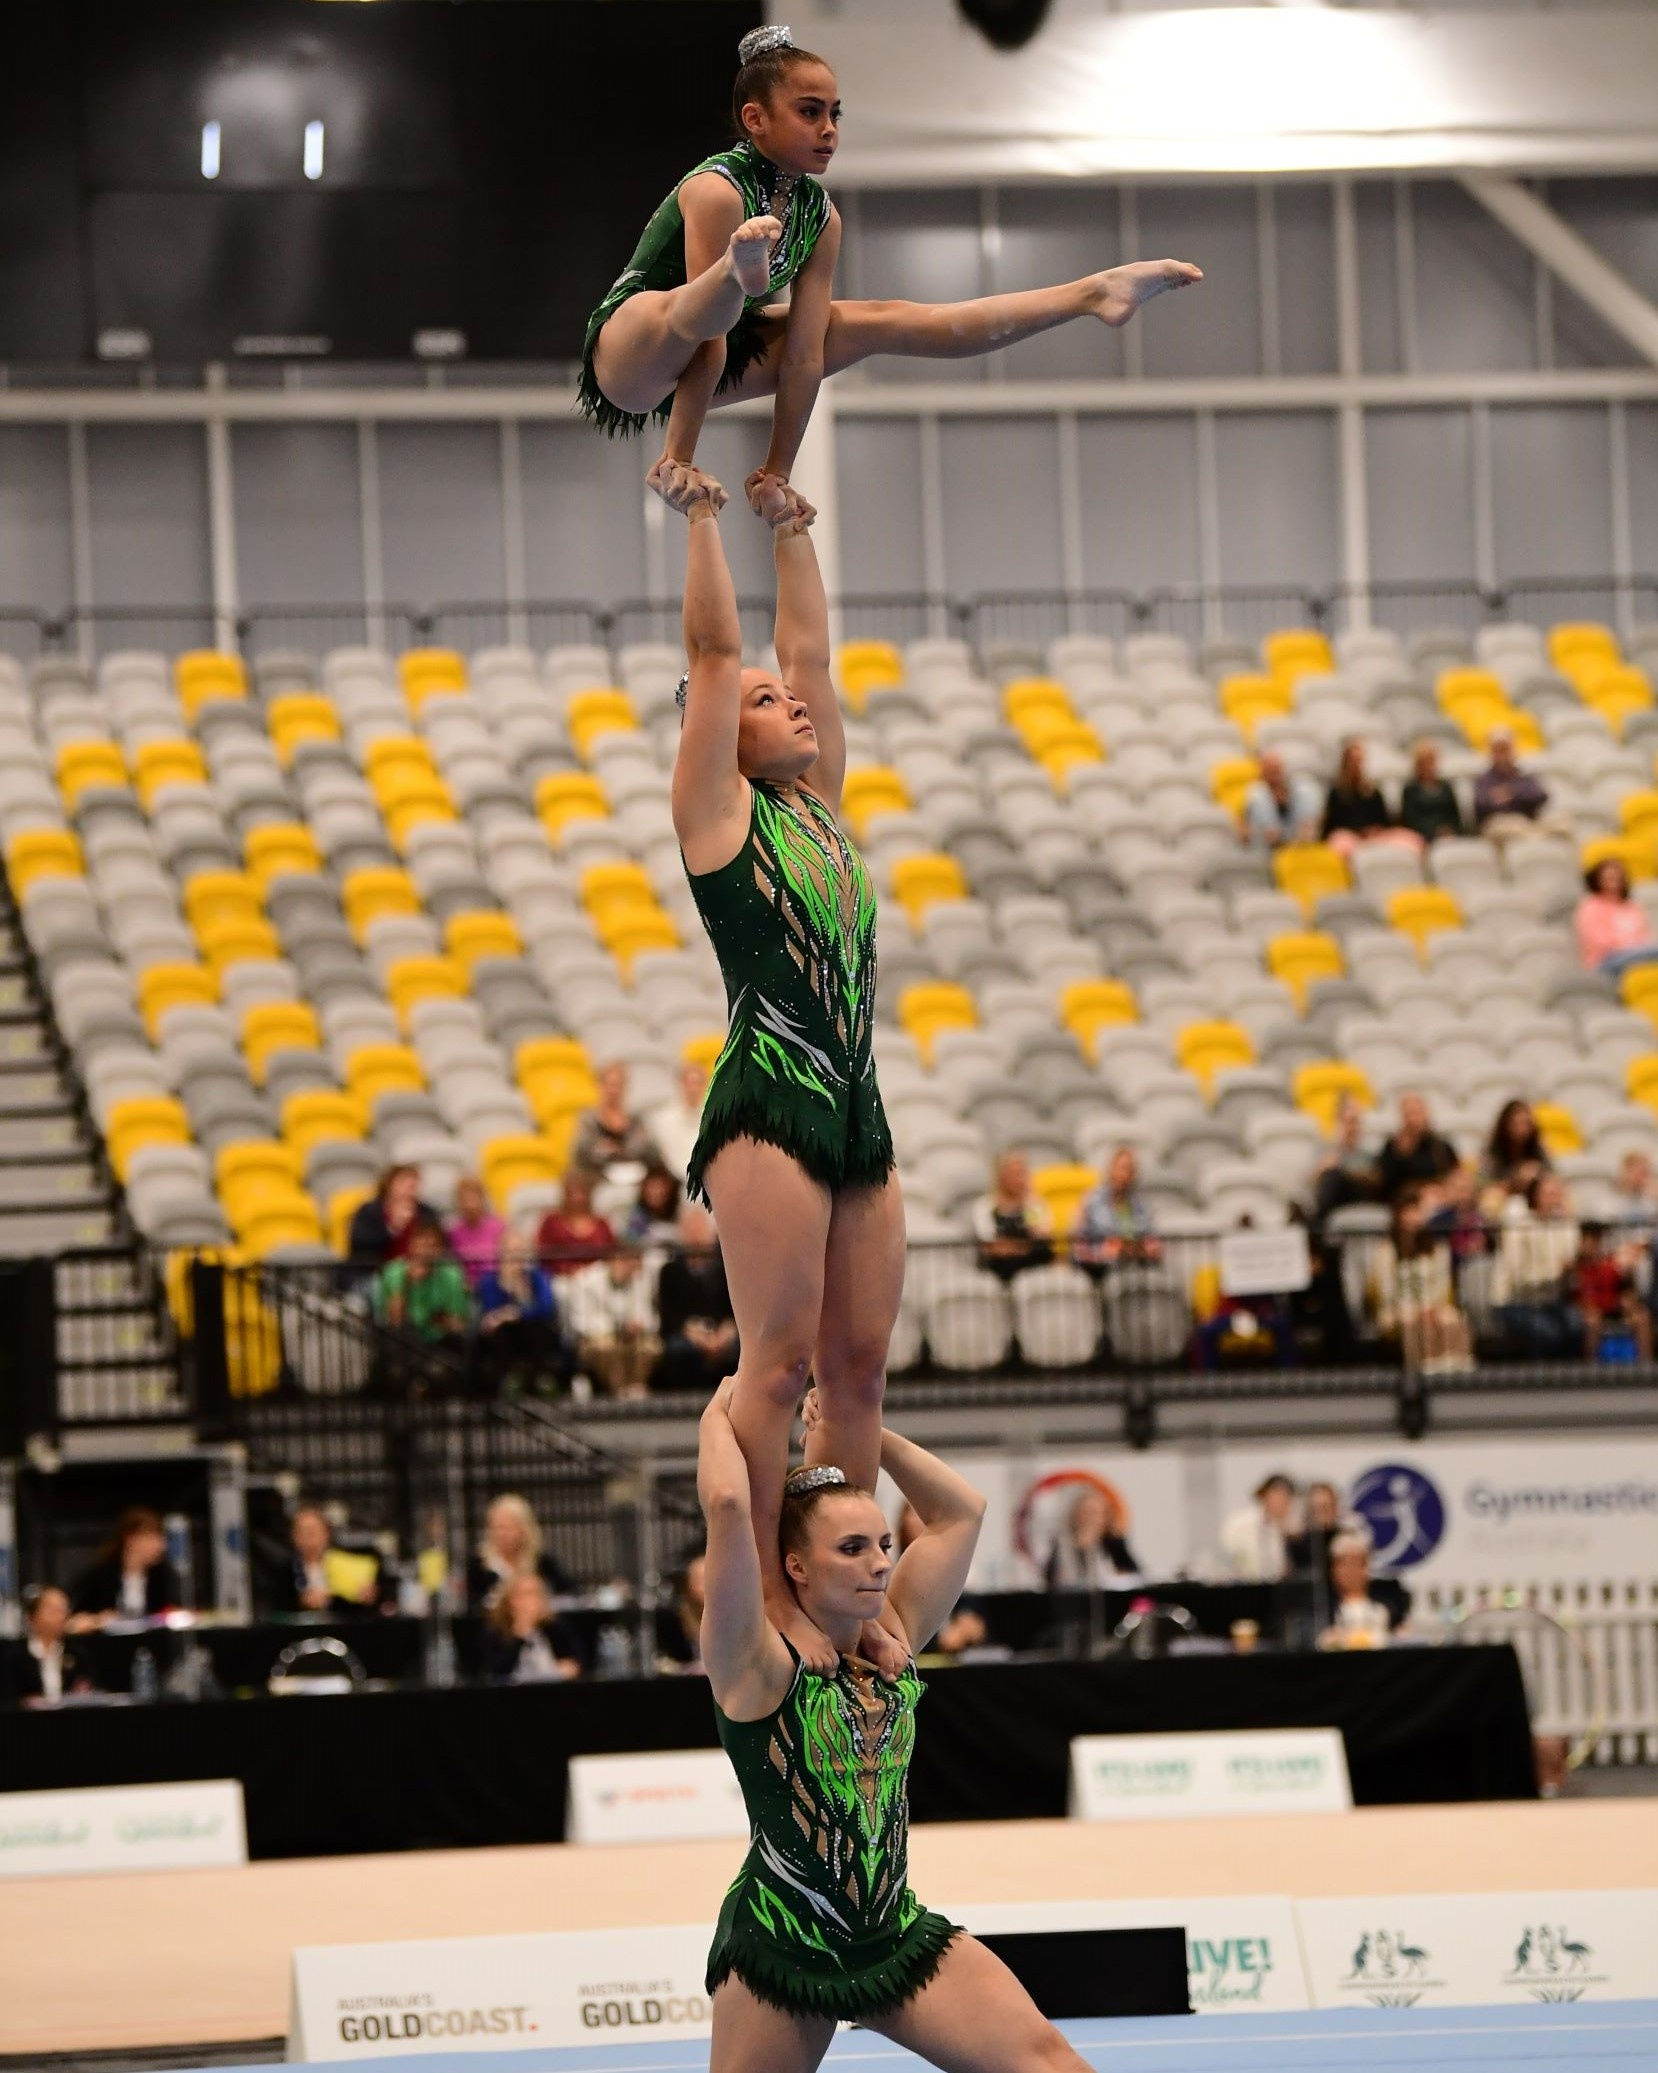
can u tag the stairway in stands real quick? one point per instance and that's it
(57, 1199)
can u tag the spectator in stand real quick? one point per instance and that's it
(423, 1295)
(1452, 1212)
(1614, 934)
(511, 1546)
(383, 1225)
(130, 1577)
(520, 1340)
(675, 1124)
(610, 1134)
(1508, 800)
(1012, 1223)
(571, 1235)
(693, 1306)
(1322, 1518)
(679, 1625)
(475, 1232)
(1279, 806)
(1415, 1291)
(1347, 1173)
(524, 1640)
(1090, 1551)
(1637, 1189)
(1365, 1612)
(1604, 1293)
(1355, 813)
(613, 1318)
(1513, 1158)
(44, 1666)
(1428, 805)
(1537, 1253)
(312, 1581)
(653, 1221)
(1415, 1155)
(1254, 1538)
(1115, 1226)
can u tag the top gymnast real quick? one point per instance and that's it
(694, 321)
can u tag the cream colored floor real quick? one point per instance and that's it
(183, 1957)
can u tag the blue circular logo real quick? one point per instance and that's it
(1404, 1512)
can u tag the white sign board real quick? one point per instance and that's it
(655, 1796)
(1479, 1950)
(122, 1828)
(1177, 1777)
(1265, 1263)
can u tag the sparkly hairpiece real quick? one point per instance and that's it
(800, 1480)
(760, 43)
(680, 690)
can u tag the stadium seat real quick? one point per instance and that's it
(377, 893)
(276, 1217)
(486, 933)
(591, 715)
(375, 1070)
(213, 898)
(430, 673)
(320, 1115)
(863, 667)
(927, 1010)
(85, 766)
(280, 849)
(1063, 1189)
(508, 1163)
(921, 882)
(1302, 958)
(162, 987)
(563, 797)
(1575, 642)
(1419, 911)
(205, 675)
(1207, 1048)
(1308, 872)
(871, 790)
(241, 1170)
(272, 1026)
(1638, 854)
(144, 1120)
(1321, 1086)
(1087, 1006)
(1229, 781)
(38, 853)
(1558, 1128)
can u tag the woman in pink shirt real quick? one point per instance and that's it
(475, 1232)
(1612, 932)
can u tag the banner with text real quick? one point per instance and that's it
(1179, 1777)
(122, 1828)
(653, 1796)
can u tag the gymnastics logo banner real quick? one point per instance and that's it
(1183, 1777)
(653, 1796)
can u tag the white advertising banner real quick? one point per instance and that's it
(1481, 1511)
(1479, 1950)
(1182, 1777)
(654, 1796)
(122, 1828)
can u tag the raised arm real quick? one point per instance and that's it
(803, 646)
(709, 795)
(933, 1568)
(743, 1653)
(800, 362)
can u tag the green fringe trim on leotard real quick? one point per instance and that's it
(745, 343)
(787, 1126)
(854, 1996)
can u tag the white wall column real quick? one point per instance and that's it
(221, 521)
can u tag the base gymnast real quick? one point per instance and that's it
(820, 1925)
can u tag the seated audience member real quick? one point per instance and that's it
(1090, 1552)
(1614, 934)
(1244, 1331)
(1363, 1612)
(1012, 1223)
(520, 1337)
(676, 1123)
(571, 1235)
(966, 1627)
(1428, 804)
(1115, 1225)
(1415, 1291)
(1415, 1155)
(1603, 1290)
(1509, 800)
(314, 1579)
(524, 1641)
(653, 1221)
(610, 1134)
(475, 1232)
(511, 1546)
(612, 1318)
(130, 1578)
(1452, 1212)
(424, 1295)
(1347, 1173)
(1537, 1250)
(44, 1665)
(1355, 813)
(384, 1224)
(693, 1307)
(1279, 806)
(679, 1625)
(1322, 1518)
(1513, 1158)
(1254, 1538)
(1637, 1189)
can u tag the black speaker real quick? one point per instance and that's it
(1071, 1973)
(1008, 24)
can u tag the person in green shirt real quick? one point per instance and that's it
(424, 1294)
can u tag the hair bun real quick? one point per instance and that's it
(760, 43)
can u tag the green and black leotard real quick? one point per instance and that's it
(821, 1920)
(797, 201)
(792, 922)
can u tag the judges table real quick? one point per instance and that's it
(469, 1766)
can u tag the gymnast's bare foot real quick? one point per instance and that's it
(1122, 289)
(749, 253)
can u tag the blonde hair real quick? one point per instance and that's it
(519, 1507)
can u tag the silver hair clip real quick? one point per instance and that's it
(760, 43)
(800, 1480)
(680, 690)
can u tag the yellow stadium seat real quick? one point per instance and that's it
(376, 1069)
(1308, 871)
(212, 897)
(413, 979)
(158, 763)
(1255, 694)
(418, 810)
(389, 754)
(1641, 1079)
(872, 790)
(1064, 1189)
(1293, 652)
(703, 1050)
(558, 1094)
(1479, 723)
(1638, 812)
(934, 1005)
(1230, 780)
(1575, 641)
(1639, 989)
(378, 892)
(275, 1217)
(272, 1026)
(242, 1169)
(871, 655)
(1420, 911)
(83, 766)
(1029, 698)
(204, 674)
(1087, 1006)
(1558, 1128)
(552, 1054)
(161, 987)
(629, 935)
(866, 667)
(563, 796)
(1638, 853)
(42, 853)
(298, 717)
(1323, 1084)
(226, 942)
(1207, 1048)
(1058, 744)
(320, 1115)
(253, 1333)
(143, 1119)
(430, 673)
(591, 715)
(280, 848)
(1621, 684)
(341, 1209)
(921, 881)
(1465, 685)
(616, 888)
(1303, 958)
(483, 933)
(506, 1163)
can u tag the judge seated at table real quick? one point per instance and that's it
(679, 1623)
(131, 1578)
(1090, 1552)
(1364, 1611)
(321, 1578)
(524, 1640)
(45, 1665)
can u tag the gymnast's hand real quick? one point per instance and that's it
(682, 487)
(775, 499)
